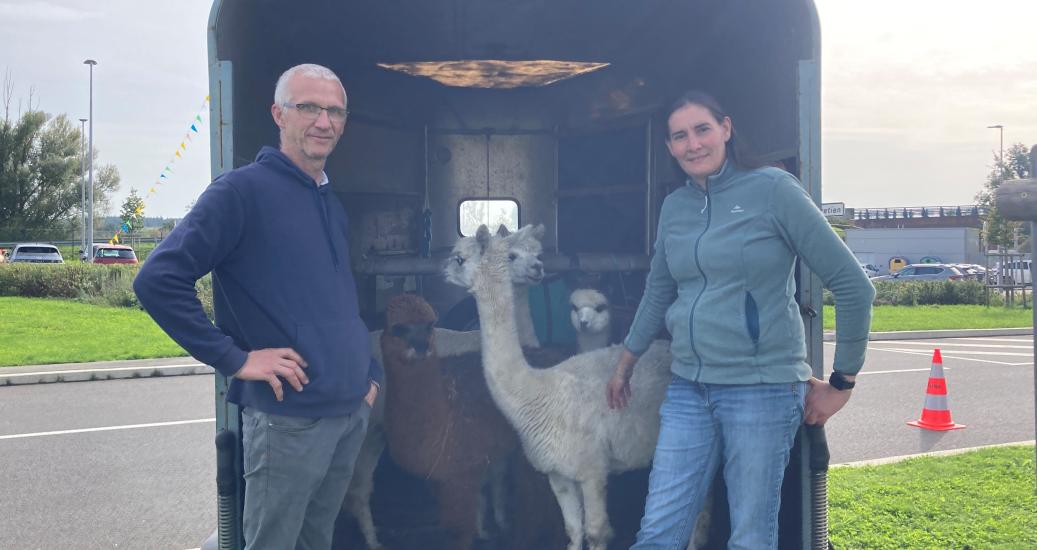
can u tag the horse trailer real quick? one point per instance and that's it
(523, 112)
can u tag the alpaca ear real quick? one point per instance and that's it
(502, 231)
(482, 236)
(539, 231)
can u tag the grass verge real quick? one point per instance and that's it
(892, 318)
(982, 499)
(36, 331)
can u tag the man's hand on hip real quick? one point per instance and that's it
(372, 394)
(271, 365)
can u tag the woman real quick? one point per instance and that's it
(722, 277)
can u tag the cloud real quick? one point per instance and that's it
(42, 11)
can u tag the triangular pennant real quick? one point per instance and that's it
(182, 146)
(178, 154)
(207, 98)
(116, 238)
(198, 118)
(152, 190)
(194, 128)
(162, 176)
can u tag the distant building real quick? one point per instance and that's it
(934, 234)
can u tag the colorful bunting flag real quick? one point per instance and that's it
(162, 178)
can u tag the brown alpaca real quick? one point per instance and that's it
(441, 423)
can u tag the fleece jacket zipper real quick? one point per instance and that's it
(705, 281)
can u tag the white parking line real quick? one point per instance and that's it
(862, 373)
(1012, 340)
(946, 355)
(108, 428)
(949, 356)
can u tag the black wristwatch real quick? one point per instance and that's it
(838, 381)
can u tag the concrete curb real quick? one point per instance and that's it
(102, 370)
(184, 366)
(949, 452)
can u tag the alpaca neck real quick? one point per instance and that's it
(418, 396)
(589, 341)
(524, 318)
(508, 375)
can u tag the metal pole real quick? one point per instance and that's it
(90, 169)
(1033, 256)
(82, 188)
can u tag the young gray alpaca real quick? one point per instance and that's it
(565, 425)
(591, 319)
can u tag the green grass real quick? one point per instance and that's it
(982, 499)
(36, 331)
(892, 318)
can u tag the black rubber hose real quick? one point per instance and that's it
(226, 489)
(819, 458)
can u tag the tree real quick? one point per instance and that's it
(997, 231)
(40, 175)
(132, 213)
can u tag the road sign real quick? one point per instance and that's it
(833, 209)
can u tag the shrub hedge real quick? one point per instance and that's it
(913, 293)
(110, 285)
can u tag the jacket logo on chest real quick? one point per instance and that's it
(737, 210)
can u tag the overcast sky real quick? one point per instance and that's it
(909, 87)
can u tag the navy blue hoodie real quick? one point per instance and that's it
(276, 245)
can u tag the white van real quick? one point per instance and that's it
(1014, 273)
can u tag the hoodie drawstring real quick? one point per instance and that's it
(322, 205)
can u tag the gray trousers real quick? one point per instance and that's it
(297, 471)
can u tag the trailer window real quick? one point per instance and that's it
(493, 213)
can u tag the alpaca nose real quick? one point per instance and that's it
(420, 348)
(583, 325)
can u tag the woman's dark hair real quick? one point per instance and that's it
(736, 152)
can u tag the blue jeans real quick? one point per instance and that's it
(749, 429)
(297, 471)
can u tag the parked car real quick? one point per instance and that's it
(112, 254)
(870, 270)
(37, 253)
(973, 271)
(924, 272)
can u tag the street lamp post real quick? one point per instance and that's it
(82, 188)
(90, 169)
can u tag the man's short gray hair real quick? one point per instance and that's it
(305, 69)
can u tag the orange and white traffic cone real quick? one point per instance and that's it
(936, 415)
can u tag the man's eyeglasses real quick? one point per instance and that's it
(311, 111)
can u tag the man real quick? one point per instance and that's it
(288, 329)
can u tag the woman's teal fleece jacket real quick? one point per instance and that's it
(723, 278)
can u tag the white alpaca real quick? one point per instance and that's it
(526, 268)
(566, 427)
(591, 319)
